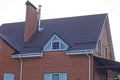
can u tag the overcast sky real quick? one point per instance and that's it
(14, 11)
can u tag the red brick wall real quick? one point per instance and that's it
(0, 45)
(6, 63)
(76, 67)
(104, 44)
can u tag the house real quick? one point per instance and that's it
(71, 48)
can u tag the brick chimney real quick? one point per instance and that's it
(31, 21)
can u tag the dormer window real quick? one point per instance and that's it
(55, 43)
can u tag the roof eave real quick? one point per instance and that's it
(27, 55)
(79, 52)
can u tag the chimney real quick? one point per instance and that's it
(39, 19)
(31, 21)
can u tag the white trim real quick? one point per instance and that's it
(54, 42)
(56, 50)
(9, 76)
(51, 41)
(77, 52)
(28, 55)
(49, 76)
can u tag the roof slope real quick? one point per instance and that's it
(14, 33)
(10, 41)
(81, 32)
(78, 32)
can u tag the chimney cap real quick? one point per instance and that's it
(40, 5)
(29, 3)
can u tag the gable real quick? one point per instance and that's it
(55, 43)
(105, 47)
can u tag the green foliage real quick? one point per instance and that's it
(117, 76)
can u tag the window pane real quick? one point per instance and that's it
(62, 46)
(48, 47)
(99, 47)
(48, 77)
(105, 52)
(8, 76)
(63, 76)
(55, 77)
(55, 45)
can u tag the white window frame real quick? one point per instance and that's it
(11, 76)
(50, 76)
(52, 45)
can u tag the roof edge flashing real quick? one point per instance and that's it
(27, 55)
(79, 52)
(29, 3)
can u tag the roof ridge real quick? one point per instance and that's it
(13, 23)
(75, 16)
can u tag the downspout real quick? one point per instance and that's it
(89, 67)
(21, 67)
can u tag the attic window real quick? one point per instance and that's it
(55, 43)
(99, 47)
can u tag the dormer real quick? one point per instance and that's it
(55, 44)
